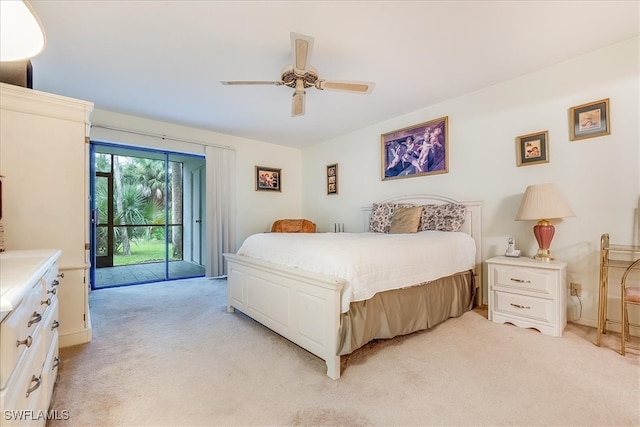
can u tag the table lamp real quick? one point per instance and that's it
(543, 202)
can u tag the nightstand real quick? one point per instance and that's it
(528, 293)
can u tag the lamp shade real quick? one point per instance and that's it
(543, 201)
(21, 35)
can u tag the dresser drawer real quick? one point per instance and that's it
(51, 281)
(21, 400)
(20, 326)
(535, 281)
(50, 372)
(50, 323)
(524, 306)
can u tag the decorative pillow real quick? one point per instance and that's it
(445, 217)
(406, 220)
(381, 215)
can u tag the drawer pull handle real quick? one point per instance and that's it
(61, 275)
(52, 291)
(47, 301)
(56, 363)
(55, 325)
(520, 280)
(35, 318)
(38, 381)
(521, 306)
(27, 341)
(55, 282)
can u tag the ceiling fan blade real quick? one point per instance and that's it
(250, 82)
(297, 104)
(345, 86)
(301, 49)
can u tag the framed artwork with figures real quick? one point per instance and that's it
(416, 150)
(533, 148)
(268, 179)
(332, 179)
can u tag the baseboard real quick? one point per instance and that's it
(75, 338)
(634, 330)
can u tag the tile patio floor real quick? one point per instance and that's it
(142, 273)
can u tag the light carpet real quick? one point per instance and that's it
(169, 354)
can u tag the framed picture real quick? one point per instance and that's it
(332, 179)
(533, 148)
(589, 120)
(268, 179)
(416, 150)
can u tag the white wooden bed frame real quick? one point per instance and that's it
(304, 307)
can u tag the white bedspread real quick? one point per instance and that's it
(369, 262)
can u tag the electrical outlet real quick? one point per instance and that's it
(575, 289)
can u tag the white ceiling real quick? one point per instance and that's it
(164, 59)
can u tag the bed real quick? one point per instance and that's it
(324, 295)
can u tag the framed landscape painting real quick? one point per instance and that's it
(416, 150)
(589, 120)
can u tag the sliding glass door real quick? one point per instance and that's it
(143, 202)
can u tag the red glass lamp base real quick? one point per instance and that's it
(544, 232)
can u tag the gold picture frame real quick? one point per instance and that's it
(532, 149)
(418, 150)
(589, 120)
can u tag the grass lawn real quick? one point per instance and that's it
(143, 251)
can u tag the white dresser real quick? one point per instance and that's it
(28, 334)
(528, 293)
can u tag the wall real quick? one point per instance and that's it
(599, 177)
(255, 210)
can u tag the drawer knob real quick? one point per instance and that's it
(38, 381)
(27, 341)
(47, 302)
(55, 325)
(56, 363)
(520, 280)
(526, 307)
(35, 318)
(61, 275)
(55, 282)
(52, 291)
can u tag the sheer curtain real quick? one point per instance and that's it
(220, 208)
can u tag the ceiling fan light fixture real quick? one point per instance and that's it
(21, 33)
(300, 75)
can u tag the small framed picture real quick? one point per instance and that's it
(418, 150)
(332, 179)
(589, 120)
(533, 148)
(268, 179)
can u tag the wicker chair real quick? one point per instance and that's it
(293, 226)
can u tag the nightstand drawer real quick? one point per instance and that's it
(538, 282)
(524, 306)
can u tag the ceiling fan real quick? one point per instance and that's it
(300, 75)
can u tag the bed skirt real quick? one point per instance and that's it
(403, 311)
